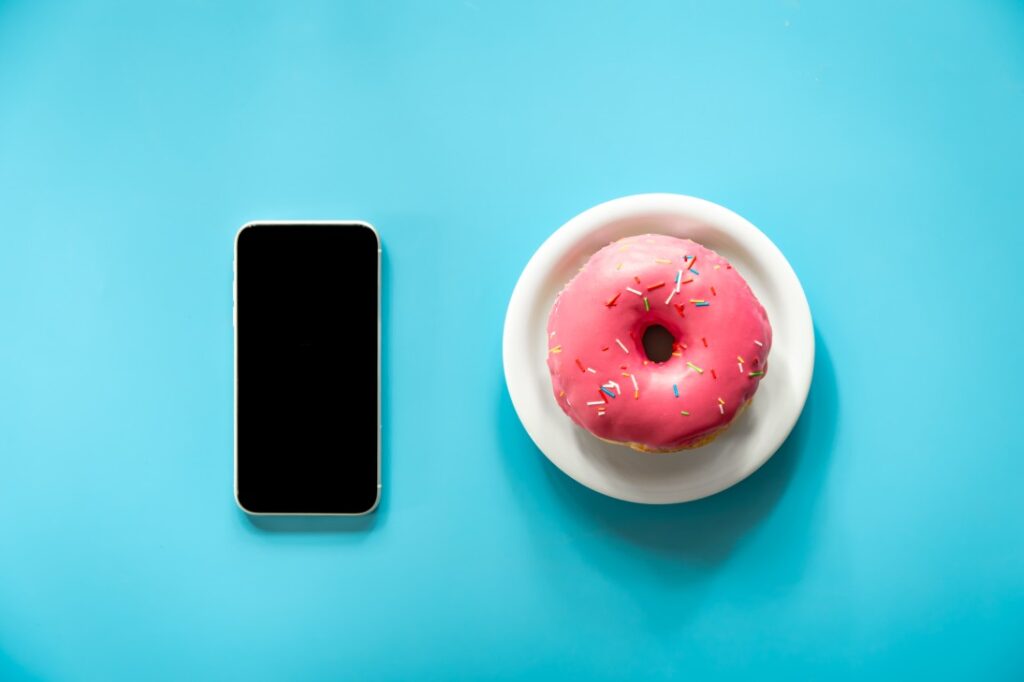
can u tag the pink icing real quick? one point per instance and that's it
(595, 312)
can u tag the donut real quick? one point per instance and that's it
(715, 343)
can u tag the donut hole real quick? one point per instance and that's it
(657, 343)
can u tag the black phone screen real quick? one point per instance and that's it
(306, 368)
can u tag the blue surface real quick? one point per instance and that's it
(880, 145)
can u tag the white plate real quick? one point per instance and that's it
(617, 470)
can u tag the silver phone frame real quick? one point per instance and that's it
(234, 329)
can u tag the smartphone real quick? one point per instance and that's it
(307, 368)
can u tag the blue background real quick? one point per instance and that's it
(880, 145)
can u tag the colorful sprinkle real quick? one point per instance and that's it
(655, 286)
(684, 413)
(670, 295)
(647, 304)
(740, 365)
(622, 346)
(759, 344)
(704, 341)
(695, 367)
(633, 291)
(713, 375)
(580, 365)
(637, 280)
(611, 301)
(756, 374)
(619, 266)
(740, 359)
(556, 349)
(596, 402)
(713, 292)
(591, 370)
(636, 388)
(720, 401)
(703, 304)
(696, 300)
(694, 271)
(675, 389)
(607, 392)
(662, 261)
(721, 409)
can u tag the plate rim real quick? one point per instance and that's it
(595, 217)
